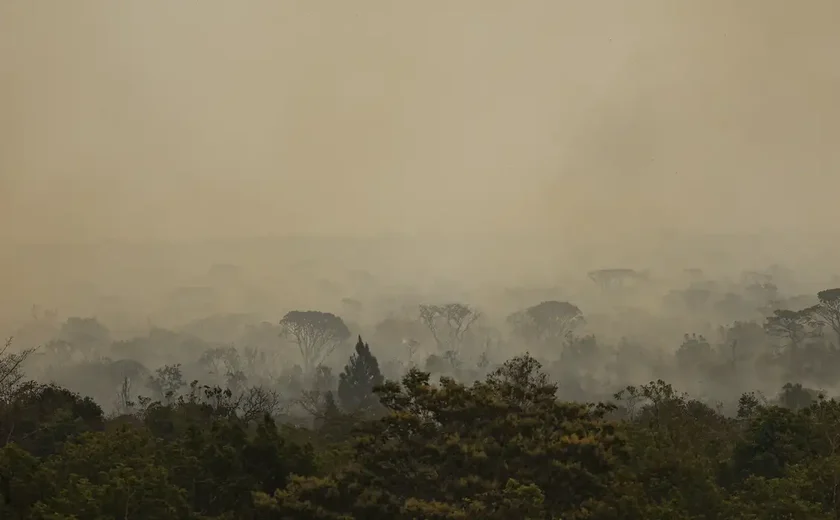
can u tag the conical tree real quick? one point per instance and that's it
(361, 375)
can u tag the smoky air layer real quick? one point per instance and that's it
(195, 170)
(570, 124)
(200, 119)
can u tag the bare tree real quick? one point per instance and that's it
(448, 323)
(317, 334)
(258, 401)
(124, 405)
(312, 402)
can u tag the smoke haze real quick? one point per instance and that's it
(211, 165)
(205, 119)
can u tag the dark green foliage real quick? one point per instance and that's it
(501, 448)
(190, 459)
(360, 377)
(44, 416)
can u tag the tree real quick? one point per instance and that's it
(120, 474)
(521, 382)
(167, 382)
(679, 445)
(437, 455)
(797, 397)
(360, 377)
(12, 377)
(321, 385)
(225, 364)
(695, 353)
(549, 322)
(86, 335)
(411, 345)
(43, 416)
(448, 323)
(117, 371)
(317, 334)
(791, 326)
(827, 311)
(744, 340)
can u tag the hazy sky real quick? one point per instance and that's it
(217, 118)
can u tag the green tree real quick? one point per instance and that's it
(677, 446)
(444, 451)
(45, 416)
(117, 474)
(21, 482)
(12, 377)
(357, 382)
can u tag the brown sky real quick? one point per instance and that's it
(217, 118)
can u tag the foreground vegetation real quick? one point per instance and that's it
(500, 448)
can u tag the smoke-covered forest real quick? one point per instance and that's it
(516, 404)
(376, 260)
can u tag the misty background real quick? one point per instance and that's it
(225, 223)
(160, 120)
(449, 149)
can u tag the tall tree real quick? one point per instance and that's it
(827, 311)
(317, 334)
(448, 323)
(548, 322)
(361, 375)
(791, 326)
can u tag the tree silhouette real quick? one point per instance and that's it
(791, 326)
(448, 323)
(548, 322)
(827, 311)
(317, 334)
(361, 375)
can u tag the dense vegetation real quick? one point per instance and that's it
(456, 435)
(504, 447)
